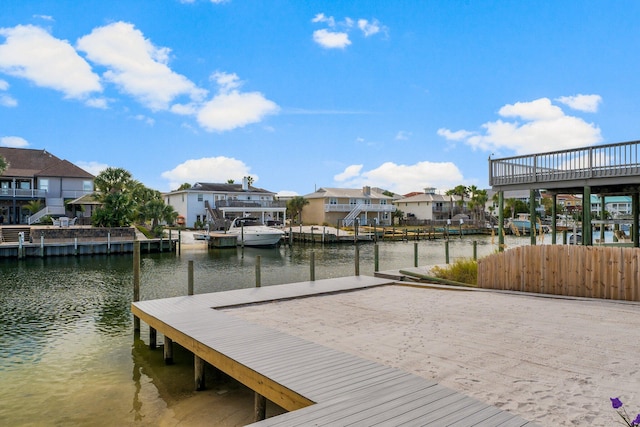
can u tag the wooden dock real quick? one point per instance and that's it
(319, 385)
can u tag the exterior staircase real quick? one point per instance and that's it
(350, 219)
(215, 217)
(55, 207)
(10, 234)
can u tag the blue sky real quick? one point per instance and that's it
(299, 95)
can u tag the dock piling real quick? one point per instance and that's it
(312, 266)
(168, 351)
(415, 254)
(190, 277)
(376, 264)
(258, 279)
(198, 372)
(136, 281)
(260, 407)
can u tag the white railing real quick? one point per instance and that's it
(365, 207)
(25, 193)
(49, 210)
(602, 161)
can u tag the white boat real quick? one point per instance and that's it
(251, 232)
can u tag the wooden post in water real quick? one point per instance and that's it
(179, 242)
(108, 242)
(258, 284)
(415, 254)
(41, 246)
(446, 251)
(190, 277)
(376, 265)
(75, 246)
(168, 351)
(312, 266)
(198, 372)
(136, 281)
(153, 337)
(357, 260)
(260, 407)
(475, 250)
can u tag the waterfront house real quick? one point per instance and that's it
(205, 203)
(38, 175)
(370, 206)
(429, 206)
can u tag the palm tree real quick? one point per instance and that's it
(113, 180)
(184, 186)
(230, 181)
(33, 206)
(295, 206)
(4, 165)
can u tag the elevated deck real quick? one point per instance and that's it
(321, 386)
(607, 169)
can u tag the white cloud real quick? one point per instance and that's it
(4, 85)
(13, 142)
(586, 103)
(369, 28)
(330, 39)
(322, 18)
(94, 168)
(31, 53)
(7, 101)
(349, 173)
(208, 169)
(97, 103)
(402, 179)
(543, 127)
(402, 135)
(454, 136)
(231, 109)
(136, 66)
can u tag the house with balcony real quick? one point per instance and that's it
(212, 203)
(429, 206)
(344, 205)
(37, 175)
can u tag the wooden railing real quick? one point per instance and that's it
(581, 271)
(602, 161)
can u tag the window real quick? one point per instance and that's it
(200, 197)
(87, 186)
(44, 184)
(333, 201)
(25, 185)
(383, 201)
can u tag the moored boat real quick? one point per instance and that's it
(251, 232)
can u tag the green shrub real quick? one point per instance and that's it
(463, 270)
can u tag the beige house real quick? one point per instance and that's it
(429, 206)
(343, 206)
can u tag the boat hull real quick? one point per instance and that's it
(258, 237)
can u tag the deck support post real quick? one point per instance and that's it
(554, 221)
(153, 336)
(168, 351)
(587, 239)
(602, 218)
(635, 212)
(260, 407)
(532, 216)
(198, 371)
(500, 221)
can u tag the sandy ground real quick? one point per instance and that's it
(553, 361)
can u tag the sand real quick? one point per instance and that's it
(554, 361)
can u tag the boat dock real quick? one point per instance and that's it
(318, 385)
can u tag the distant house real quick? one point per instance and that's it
(428, 205)
(38, 175)
(211, 202)
(617, 206)
(344, 205)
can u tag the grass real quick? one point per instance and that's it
(463, 271)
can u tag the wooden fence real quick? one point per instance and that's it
(583, 271)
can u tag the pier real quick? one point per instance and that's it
(317, 384)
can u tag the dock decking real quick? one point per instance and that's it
(321, 386)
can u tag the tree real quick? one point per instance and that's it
(230, 181)
(156, 211)
(295, 206)
(33, 206)
(478, 199)
(397, 214)
(4, 165)
(184, 186)
(117, 210)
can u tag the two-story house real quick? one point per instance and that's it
(344, 205)
(211, 202)
(38, 175)
(429, 206)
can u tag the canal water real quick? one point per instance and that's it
(67, 349)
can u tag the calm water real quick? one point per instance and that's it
(67, 353)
